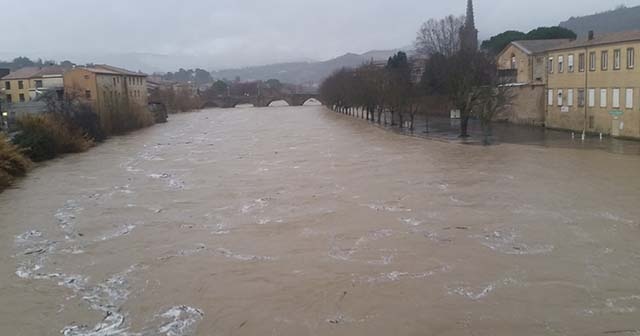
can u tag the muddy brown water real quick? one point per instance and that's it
(300, 221)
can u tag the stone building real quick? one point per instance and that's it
(594, 85)
(109, 89)
(469, 33)
(522, 64)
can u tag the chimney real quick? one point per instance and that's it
(590, 35)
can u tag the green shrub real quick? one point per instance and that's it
(43, 137)
(13, 163)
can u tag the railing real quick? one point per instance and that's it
(508, 75)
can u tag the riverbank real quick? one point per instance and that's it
(44, 137)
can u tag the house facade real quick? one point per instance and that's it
(594, 85)
(26, 84)
(523, 62)
(522, 65)
(110, 90)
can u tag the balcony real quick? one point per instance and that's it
(507, 76)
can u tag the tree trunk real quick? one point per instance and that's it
(464, 125)
(411, 122)
(486, 132)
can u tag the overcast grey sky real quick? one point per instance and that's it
(226, 33)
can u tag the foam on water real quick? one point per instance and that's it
(179, 321)
(507, 243)
(66, 217)
(477, 293)
(243, 257)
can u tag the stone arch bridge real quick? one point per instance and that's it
(294, 99)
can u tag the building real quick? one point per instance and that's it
(524, 62)
(469, 33)
(523, 65)
(28, 83)
(108, 89)
(594, 85)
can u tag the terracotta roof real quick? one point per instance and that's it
(538, 46)
(609, 38)
(35, 72)
(51, 71)
(23, 73)
(111, 70)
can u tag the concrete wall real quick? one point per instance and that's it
(569, 115)
(527, 106)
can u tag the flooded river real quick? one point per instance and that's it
(300, 221)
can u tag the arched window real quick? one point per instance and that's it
(514, 65)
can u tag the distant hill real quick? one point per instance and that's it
(619, 19)
(302, 72)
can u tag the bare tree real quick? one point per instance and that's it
(492, 100)
(439, 36)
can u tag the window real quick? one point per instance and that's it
(9, 99)
(629, 99)
(21, 97)
(560, 98)
(581, 97)
(20, 85)
(38, 84)
(603, 97)
(550, 65)
(592, 97)
(616, 59)
(7, 85)
(87, 94)
(86, 76)
(570, 63)
(592, 61)
(570, 97)
(604, 60)
(631, 62)
(560, 64)
(615, 98)
(581, 62)
(114, 81)
(550, 98)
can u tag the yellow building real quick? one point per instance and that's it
(107, 88)
(522, 64)
(26, 84)
(594, 85)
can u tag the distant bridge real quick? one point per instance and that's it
(293, 99)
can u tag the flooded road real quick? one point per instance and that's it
(300, 221)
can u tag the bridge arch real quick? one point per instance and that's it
(312, 101)
(278, 99)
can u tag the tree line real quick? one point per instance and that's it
(466, 79)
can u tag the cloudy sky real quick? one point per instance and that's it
(229, 33)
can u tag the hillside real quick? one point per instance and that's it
(619, 19)
(303, 72)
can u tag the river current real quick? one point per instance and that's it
(300, 221)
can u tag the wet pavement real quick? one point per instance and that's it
(301, 221)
